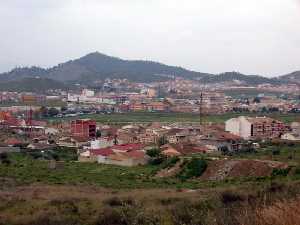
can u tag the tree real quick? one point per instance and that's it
(53, 112)
(224, 149)
(256, 100)
(4, 158)
(98, 134)
(154, 152)
(193, 168)
(63, 108)
(162, 141)
(44, 111)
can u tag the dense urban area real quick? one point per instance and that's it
(163, 152)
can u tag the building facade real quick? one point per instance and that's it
(83, 128)
(256, 127)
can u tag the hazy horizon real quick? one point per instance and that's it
(212, 36)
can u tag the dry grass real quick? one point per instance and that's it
(71, 205)
(279, 213)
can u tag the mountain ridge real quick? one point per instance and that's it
(96, 65)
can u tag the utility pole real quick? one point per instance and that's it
(200, 110)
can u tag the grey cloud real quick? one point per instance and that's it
(257, 36)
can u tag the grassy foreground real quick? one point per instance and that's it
(90, 194)
(24, 169)
(271, 204)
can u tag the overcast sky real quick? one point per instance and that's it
(250, 36)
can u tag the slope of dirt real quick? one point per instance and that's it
(170, 172)
(222, 169)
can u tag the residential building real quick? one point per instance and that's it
(256, 127)
(83, 128)
(171, 150)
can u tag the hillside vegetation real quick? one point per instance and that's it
(37, 85)
(97, 66)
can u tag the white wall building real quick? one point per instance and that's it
(239, 126)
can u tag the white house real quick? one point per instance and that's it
(239, 126)
(256, 127)
(291, 137)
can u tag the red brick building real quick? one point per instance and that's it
(83, 128)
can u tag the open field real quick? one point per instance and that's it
(251, 93)
(88, 193)
(288, 153)
(148, 117)
(24, 169)
(36, 204)
(48, 103)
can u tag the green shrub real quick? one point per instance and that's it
(193, 168)
(188, 213)
(280, 172)
(157, 160)
(297, 171)
(4, 159)
(155, 152)
(275, 152)
(228, 197)
(170, 162)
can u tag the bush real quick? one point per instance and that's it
(170, 162)
(297, 171)
(117, 202)
(157, 161)
(275, 152)
(228, 197)
(188, 213)
(128, 215)
(193, 168)
(4, 158)
(155, 152)
(280, 172)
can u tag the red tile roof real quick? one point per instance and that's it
(135, 154)
(13, 141)
(102, 152)
(225, 136)
(128, 147)
(80, 138)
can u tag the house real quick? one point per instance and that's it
(132, 158)
(170, 151)
(182, 149)
(103, 142)
(83, 128)
(147, 138)
(9, 149)
(295, 126)
(291, 137)
(128, 147)
(215, 140)
(11, 142)
(51, 131)
(41, 139)
(124, 137)
(137, 107)
(94, 155)
(176, 135)
(73, 142)
(113, 157)
(256, 127)
(157, 107)
(40, 146)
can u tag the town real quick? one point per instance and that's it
(126, 135)
(118, 122)
(157, 112)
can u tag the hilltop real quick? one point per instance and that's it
(98, 66)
